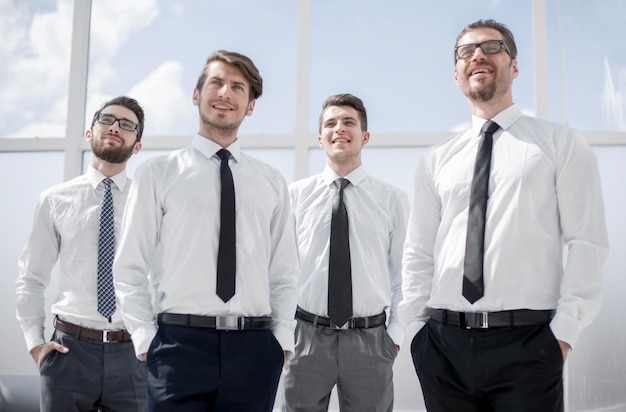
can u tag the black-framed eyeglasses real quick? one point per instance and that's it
(466, 51)
(109, 119)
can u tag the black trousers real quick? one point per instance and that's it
(512, 369)
(199, 369)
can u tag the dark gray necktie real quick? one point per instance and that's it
(106, 251)
(339, 270)
(473, 283)
(226, 255)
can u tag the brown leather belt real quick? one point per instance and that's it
(106, 336)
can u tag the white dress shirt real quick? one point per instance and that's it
(171, 231)
(66, 229)
(545, 235)
(377, 219)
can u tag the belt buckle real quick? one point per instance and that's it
(476, 320)
(484, 320)
(345, 326)
(226, 323)
(105, 336)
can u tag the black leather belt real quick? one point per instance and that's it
(216, 322)
(106, 336)
(485, 320)
(354, 323)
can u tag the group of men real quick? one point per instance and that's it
(198, 285)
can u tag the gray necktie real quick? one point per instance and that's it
(106, 251)
(473, 283)
(339, 268)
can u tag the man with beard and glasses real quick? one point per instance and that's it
(219, 224)
(502, 266)
(89, 362)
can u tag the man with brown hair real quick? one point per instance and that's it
(350, 229)
(214, 228)
(488, 301)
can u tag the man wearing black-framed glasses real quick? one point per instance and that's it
(89, 363)
(491, 306)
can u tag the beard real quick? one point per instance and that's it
(217, 125)
(109, 153)
(483, 93)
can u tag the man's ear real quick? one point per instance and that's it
(250, 107)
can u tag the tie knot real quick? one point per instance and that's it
(342, 183)
(223, 154)
(489, 127)
(107, 183)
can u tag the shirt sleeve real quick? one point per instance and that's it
(400, 216)
(283, 271)
(131, 268)
(417, 258)
(581, 213)
(35, 265)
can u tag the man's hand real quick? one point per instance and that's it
(565, 348)
(38, 352)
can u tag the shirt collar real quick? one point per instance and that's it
(95, 177)
(209, 147)
(505, 119)
(355, 177)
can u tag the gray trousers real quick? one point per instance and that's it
(92, 376)
(358, 361)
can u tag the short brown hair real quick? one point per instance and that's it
(247, 67)
(491, 24)
(130, 104)
(345, 99)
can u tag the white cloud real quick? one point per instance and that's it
(35, 51)
(167, 104)
(34, 74)
(613, 107)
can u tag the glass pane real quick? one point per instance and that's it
(154, 50)
(597, 363)
(587, 77)
(399, 59)
(16, 218)
(34, 74)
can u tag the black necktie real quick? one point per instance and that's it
(339, 271)
(106, 250)
(226, 255)
(473, 283)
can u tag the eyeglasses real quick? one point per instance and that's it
(109, 119)
(465, 51)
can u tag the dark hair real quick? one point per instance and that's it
(130, 104)
(247, 67)
(345, 99)
(491, 24)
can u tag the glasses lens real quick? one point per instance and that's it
(490, 46)
(106, 119)
(127, 125)
(465, 51)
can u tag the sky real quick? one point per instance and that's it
(396, 55)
